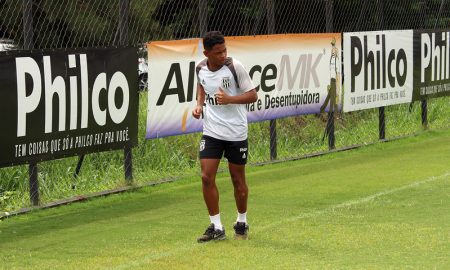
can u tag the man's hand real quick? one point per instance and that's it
(222, 97)
(197, 111)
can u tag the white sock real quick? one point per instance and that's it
(242, 217)
(216, 221)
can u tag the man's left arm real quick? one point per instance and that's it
(245, 98)
(245, 83)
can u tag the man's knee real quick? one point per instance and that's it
(235, 178)
(207, 180)
(239, 184)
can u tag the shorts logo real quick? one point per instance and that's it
(202, 145)
(242, 149)
(226, 82)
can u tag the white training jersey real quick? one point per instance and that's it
(224, 122)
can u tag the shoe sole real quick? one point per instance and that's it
(220, 238)
(241, 237)
(212, 240)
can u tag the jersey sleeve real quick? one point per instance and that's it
(198, 68)
(245, 82)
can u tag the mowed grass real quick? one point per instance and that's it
(379, 207)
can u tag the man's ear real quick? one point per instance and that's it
(205, 53)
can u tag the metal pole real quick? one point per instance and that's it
(270, 17)
(78, 168)
(329, 130)
(273, 123)
(329, 15)
(361, 16)
(123, 26)
(273, 140)
(128, 164)
(124, 11)
(380, 14)
(381, 114)
(439, 14)
(202, 17)
(424, 114)
(34, 183)
(381, 123)
(424, 101)
(27, 17)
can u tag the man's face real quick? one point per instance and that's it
(217, 55)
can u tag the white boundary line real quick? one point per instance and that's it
(192, 245)
(350, 203)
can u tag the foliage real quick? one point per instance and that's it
(88, 23)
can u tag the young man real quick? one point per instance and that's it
(224, 87)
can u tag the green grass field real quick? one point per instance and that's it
(385, 206)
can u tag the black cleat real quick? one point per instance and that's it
(241, 230)
(212, 234)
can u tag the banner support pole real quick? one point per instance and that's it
(124, 11)
(381, 110)
(270, 16)
(34, 183)
(27, 17)
(329, 130)
(202, 17)
(78, 168)
(381, 123)
(424, 106)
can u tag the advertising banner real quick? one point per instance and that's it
(378, 69)
(58, 103)
(293, 74)
(431, 63)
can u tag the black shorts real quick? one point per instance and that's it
(235, 152)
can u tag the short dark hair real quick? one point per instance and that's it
(212, 38)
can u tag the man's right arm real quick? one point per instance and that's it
(198, 110)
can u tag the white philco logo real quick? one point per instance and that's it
(226, 82)
(242, 149)
(202, 145)
(27, 67)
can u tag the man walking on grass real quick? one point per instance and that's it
(224, 87)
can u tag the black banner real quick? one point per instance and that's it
(59, 103)
(431, 63)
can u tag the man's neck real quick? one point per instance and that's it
(212, 67)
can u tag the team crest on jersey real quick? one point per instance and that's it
(202, 145)
(226, 82)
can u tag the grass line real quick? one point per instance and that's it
(183, 247)
(359, 201)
